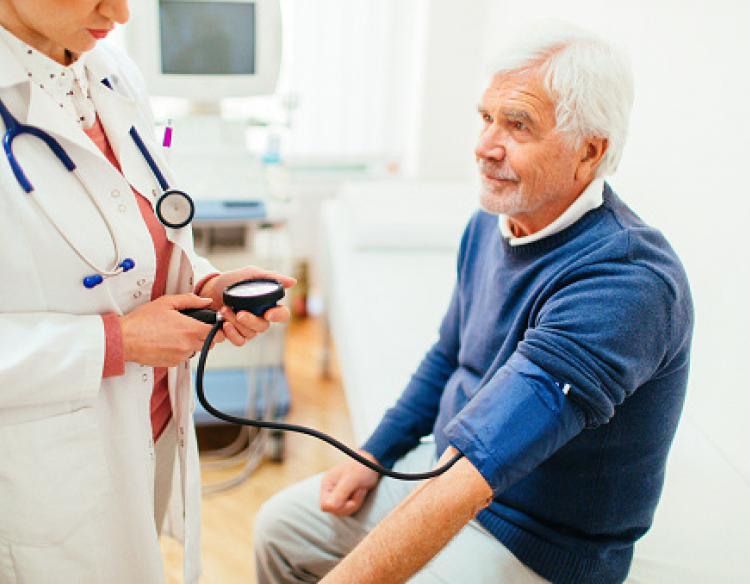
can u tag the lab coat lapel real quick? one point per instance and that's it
(44, 113)
(11, 73)
(118, 113)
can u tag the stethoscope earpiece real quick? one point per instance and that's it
(95, 279)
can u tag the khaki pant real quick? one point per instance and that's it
(297, 542)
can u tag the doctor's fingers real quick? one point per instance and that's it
(235, 336)
(219, 338)
(278, 314)
(253, 272)
(183, 301)
(246, 323)
(190, 334)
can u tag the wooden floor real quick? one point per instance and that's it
(228, 516)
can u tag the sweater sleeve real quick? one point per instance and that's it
(414, 414)
(594, 342)
(114, 354)
(198, 288)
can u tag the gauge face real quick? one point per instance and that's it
(175, 209)
(255, 296)
(250, 289)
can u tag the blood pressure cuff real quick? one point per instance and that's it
(517, 420)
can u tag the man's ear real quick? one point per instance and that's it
(592, 151)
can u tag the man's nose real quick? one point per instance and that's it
(115, 10)
(490, 144)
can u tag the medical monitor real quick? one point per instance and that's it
(206, 50)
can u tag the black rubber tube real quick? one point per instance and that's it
(303, 429)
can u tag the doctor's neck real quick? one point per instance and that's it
(10, 20)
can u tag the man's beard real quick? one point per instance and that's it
(510, 199)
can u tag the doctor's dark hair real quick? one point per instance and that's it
(588, 79)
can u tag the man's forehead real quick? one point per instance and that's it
(516, 88)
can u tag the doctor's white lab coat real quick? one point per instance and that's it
(76, 454)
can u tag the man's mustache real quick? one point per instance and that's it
(496, 171)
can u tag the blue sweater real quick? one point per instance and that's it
(560, 373)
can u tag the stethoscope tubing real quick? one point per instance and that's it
(14, 128)
(301, 429)
(140, 144)
(118, 267)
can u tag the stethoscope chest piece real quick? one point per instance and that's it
(175, 209)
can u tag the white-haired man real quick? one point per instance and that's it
(559, 373)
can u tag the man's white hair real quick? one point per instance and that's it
(588, 79)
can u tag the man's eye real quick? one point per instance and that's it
(518, 125)
(487, 118)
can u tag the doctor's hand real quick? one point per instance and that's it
(157, 335)
(243, 326)
(343, 488)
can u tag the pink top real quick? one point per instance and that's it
(114, 363)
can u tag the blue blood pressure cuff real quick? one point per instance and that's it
(517, 419)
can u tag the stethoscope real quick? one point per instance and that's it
(257, 296)
(174, 208)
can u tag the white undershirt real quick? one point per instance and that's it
(590, 198)
(67, 86)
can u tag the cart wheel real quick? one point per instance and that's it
(276, 446)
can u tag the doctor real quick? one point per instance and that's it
(97, 448)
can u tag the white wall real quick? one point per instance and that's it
(339, 60)
(443, 90)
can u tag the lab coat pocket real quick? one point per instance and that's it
(53, 475)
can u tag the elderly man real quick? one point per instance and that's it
(559, 373)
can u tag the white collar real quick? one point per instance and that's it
(67, 86)
(590, 198)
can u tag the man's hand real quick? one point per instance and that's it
(418, 528)
(343, 488)
(156, 334)
(241, 327)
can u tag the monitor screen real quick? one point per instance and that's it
(207, 37)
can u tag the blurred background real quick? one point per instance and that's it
(333, 139)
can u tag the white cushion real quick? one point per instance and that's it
(413, 215)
